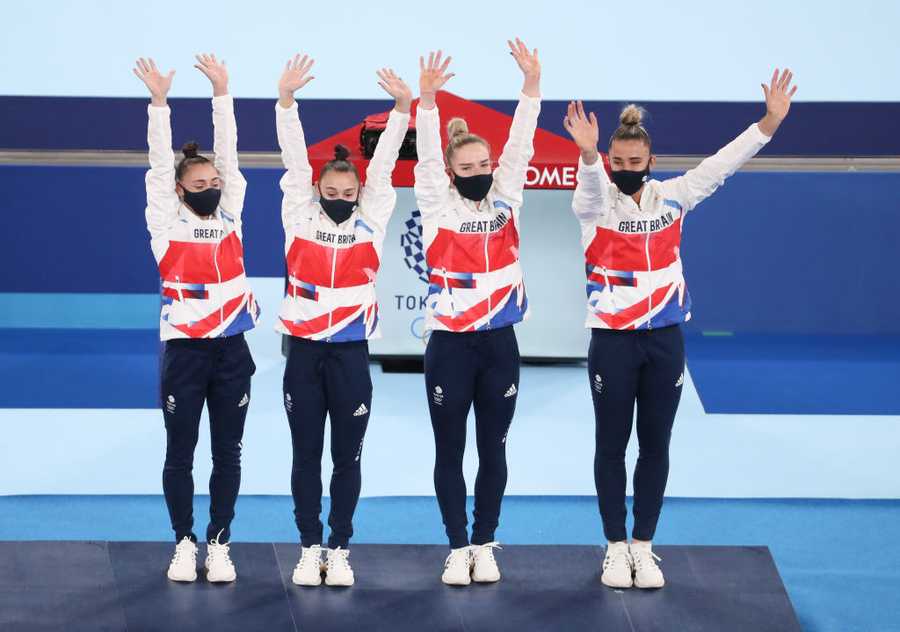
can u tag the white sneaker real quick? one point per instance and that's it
(308, 571)
(617, 566)
(458, 567)
(484, 565)
(646, 573)
(337, 568)
(183, 567)
(219, 567)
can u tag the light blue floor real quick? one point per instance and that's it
(838, 559)
(550, 446)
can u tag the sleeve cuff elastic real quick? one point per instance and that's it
(758, 133)
(283, 110)
(598, 164)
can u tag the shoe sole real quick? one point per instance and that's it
(182, 579)
(221, 580)
(459, 583)
(637, 585)
(609, 584)
(486, 580)
(296, 583)
(339, 584)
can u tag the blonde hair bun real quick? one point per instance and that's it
(632, 115)
(457, 127)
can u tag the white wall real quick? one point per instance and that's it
(644, 50)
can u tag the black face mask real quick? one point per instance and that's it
(474, 188)
(630, 182)
(203, 202)
(338, 210)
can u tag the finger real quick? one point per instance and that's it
(773, 80)
(512, 48)
(437, 58)
(203, 69)
(594, 123)
(431, 60)
(384, 86)
(213, 58)
(199, 59)
(792, 92)
(143, 64)
(381, 75)
(785, 76)
(534, 54)
(305, 81)
(170, 75)
(570, 110)
(152, 64)
(787, 81)
(138, 74)
(567, 124)
(446, 65)
(308, 66)
(765, 90)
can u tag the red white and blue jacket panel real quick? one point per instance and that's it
(633, 262)
(332, 268)
(205, 293)
(472, 248)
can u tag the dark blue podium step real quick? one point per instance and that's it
(122, 586)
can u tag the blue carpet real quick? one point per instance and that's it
(808, 375)
(837, 558)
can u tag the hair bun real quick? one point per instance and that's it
(190, 149)
(341, 152)
(632, 115)
(457, 127)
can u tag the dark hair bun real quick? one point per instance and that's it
(341, 152)
(190, 149)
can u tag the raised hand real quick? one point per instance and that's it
(584, 131)
(778, 100)
(432, 77)
(156, 82)
(215, 71)
(530, 66)
(295, 76)
(394, 86)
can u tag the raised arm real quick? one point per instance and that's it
(592, 189)
(378, 197)
(162, 201)
(225, 153)
(700, 182)
(224, 135)
(509, 178)
(296, 183)
(432, 186)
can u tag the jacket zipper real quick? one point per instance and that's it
(487, 268)
(331, 312)
(649, 278)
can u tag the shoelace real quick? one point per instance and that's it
(645, 556)
(338, 557)
(462, 556)
(621, 554)
(217, 550)
(488, 549)
(182, 551)
(310, 556)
